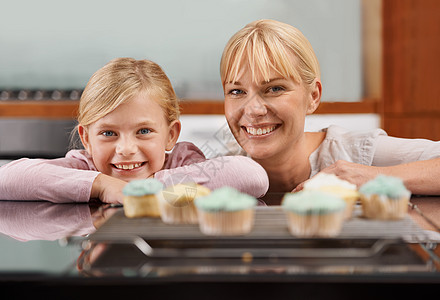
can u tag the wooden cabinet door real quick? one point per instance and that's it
(411, 68)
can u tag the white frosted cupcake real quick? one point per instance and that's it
(140, 198)
(312, 213)
(226, 211)
(330, 183)
(177, 202)
(385, 198)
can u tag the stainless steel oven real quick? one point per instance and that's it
(35, 137)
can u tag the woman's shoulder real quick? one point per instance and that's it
(335, 132)
(343, 144)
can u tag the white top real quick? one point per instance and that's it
(371, 148)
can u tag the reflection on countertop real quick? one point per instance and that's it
(38, 237)
(63, 241)
(26, 221)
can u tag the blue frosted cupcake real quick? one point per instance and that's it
(226, 211)
(313, 213)
(140, 198)
(385, 198)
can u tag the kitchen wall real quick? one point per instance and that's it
(59, 44)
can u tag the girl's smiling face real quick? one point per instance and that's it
(267, 117)
(130, 142)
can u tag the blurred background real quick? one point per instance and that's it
(49, 50)
(55, 44)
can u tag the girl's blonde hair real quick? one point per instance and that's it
(117, 82)
(120, 80)
(266, 45)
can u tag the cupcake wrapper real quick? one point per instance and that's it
(226, 223)
(382, 208)
(177, 214)
(142, 206)
(348, 212)
(314, 225)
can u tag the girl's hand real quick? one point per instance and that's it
(354, 173)
(108, 189)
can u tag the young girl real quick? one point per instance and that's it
(271, 80)
(128, 118)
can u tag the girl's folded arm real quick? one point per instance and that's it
(58, 180)
(239, 172)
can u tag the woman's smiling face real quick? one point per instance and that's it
(130, 142)
(266, 117)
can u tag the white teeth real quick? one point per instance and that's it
(259, 131)
(128, 167)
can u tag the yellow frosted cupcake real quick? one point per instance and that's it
(140, 198)
(330, 183)
(226, 211)
(176, 202)
(385, 198)
(313, 213)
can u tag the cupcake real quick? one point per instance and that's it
(140, 198)
(226, 211)
(330, 183)
(176, 203)
(385, 198)
(313, 213)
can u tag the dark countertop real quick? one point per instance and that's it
(44, 248)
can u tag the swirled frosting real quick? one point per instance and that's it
(389, 186)
(312, 202)
(323, 179)
(225, 199)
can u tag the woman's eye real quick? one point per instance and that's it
(108, 133)
(275, 89)
(144, 131)
(235, 92)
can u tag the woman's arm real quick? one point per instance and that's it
(420, 177)
(415, 161)
(239, 172)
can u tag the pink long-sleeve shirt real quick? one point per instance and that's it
(70, 179)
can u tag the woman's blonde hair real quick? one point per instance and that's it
(117, 82)
(266, 45)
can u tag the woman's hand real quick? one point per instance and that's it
(108, 189)
(354, 173)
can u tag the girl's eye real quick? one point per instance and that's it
(144, 131)
(108, 133)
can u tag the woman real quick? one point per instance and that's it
(271, 81)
